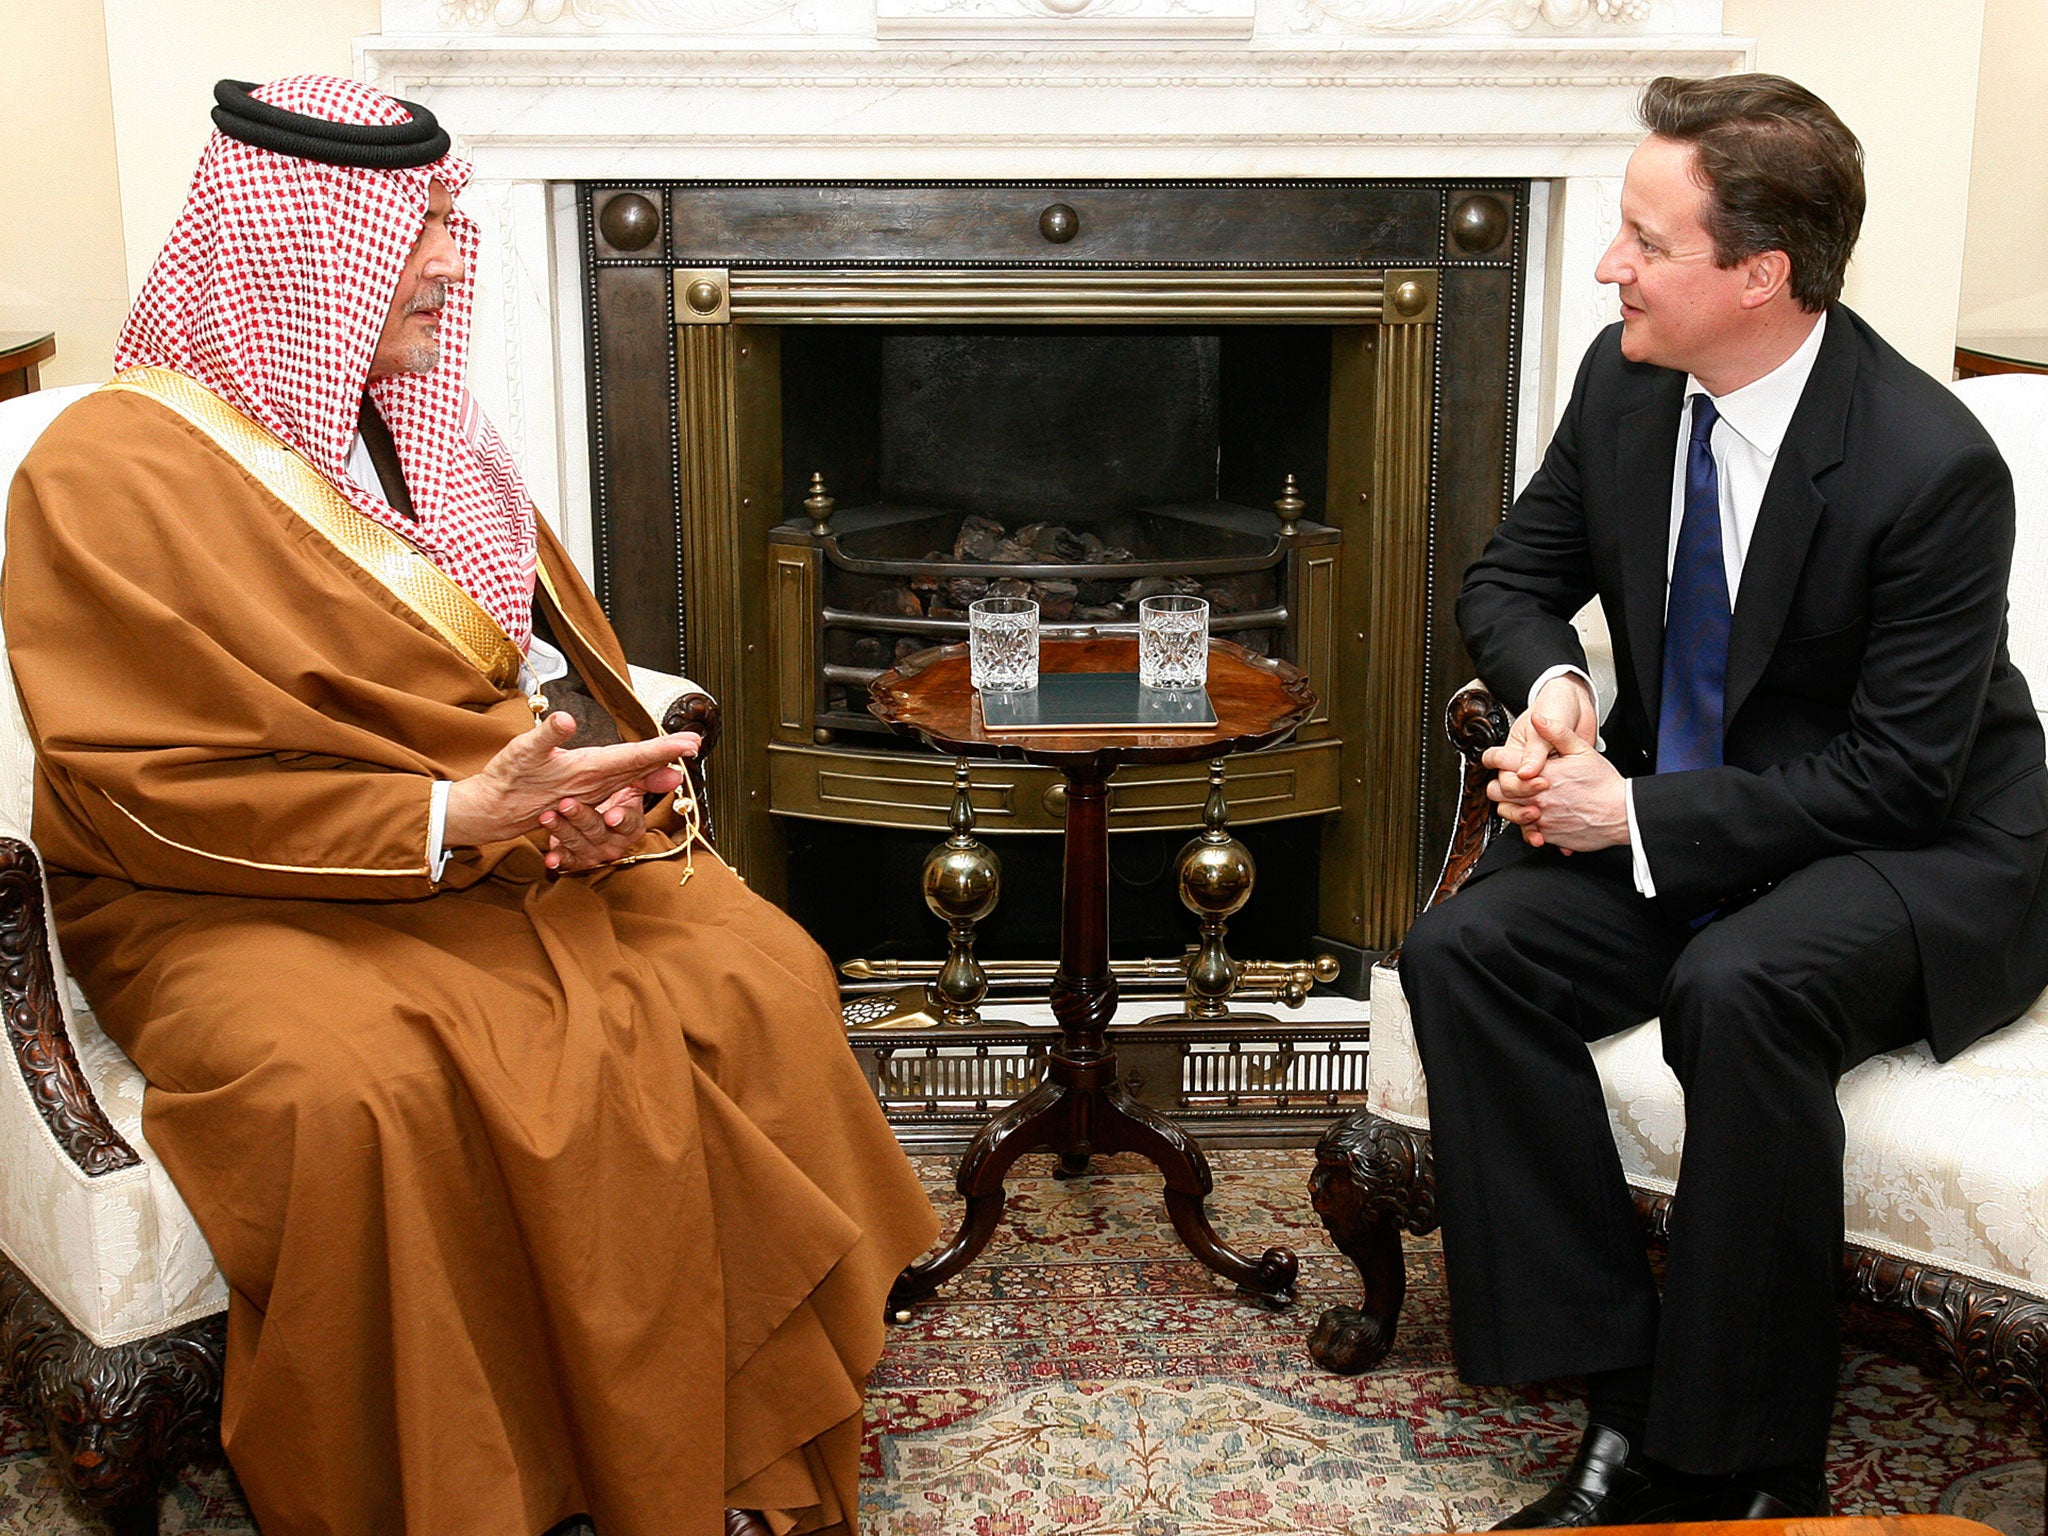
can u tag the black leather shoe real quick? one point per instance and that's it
(1611, 1483)
(1741, 1499)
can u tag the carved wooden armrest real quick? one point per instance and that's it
(697, 712)
(1474, 721)
(35, 1022)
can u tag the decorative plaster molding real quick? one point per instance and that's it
(495, 206)
(1054, 10)
(1434, 15)
(659, 16)
(1063, 20)
(1504, 19)
(1579, 67)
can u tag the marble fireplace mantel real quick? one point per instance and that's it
(543, 93)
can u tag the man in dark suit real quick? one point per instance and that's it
(1815, 829)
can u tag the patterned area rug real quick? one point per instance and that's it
(1088, 1378)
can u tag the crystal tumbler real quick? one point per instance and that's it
(1002, 643)
(1173, 641)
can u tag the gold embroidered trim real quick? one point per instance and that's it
(284, 869)
(397, 564)
(685, 800)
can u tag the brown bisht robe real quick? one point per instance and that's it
(537, 1195)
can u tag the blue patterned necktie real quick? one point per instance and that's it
(1696, 615)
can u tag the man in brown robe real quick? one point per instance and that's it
(526, 1136)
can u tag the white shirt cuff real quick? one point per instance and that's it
(1568, 670)
(437, 827)
(1637, 857)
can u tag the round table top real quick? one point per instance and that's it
(1259, 702)
(18, 349)
(2026, 349)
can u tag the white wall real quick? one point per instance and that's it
(2005, 256)
(60, 242)
(1903, 75)
(163, 57)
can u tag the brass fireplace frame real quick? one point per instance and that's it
(1410, 503)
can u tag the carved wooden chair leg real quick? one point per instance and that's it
(119, 1417)
(1372, 1178)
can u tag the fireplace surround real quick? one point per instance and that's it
(560, 102)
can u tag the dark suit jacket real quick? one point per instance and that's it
(1871, 707)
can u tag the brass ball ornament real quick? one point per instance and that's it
(704, 296)
(1059, 223)
(1478, 224)
(629, 222)
(1216, 874)
(962, 880)
(1216, 877)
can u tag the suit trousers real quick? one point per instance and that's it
(1762, 1011)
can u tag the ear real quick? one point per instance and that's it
(1765, 276)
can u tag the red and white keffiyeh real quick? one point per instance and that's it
(272, 292)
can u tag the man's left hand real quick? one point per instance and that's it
(1578, 803)
(584, 837)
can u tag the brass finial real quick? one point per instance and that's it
(1216, 875)
(1290, 506)
(963, 880)
(820, 504)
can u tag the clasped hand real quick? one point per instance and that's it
(588, 798)
(1550, 781)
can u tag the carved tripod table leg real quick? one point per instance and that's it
(1081, 1108)
(1037, 1120)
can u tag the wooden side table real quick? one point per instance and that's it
(1978, 355)
(1082, 1107)
(22, 354)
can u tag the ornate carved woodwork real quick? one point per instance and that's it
(697, 712)
(119, 1418)
(1372, 1179)
(1474, 722)
(35, 1023)
(1997, 1337)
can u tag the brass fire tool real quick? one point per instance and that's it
(1265, 981)
(963, 880)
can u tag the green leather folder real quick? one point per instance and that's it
(1096, 701)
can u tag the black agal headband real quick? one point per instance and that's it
(366, 146)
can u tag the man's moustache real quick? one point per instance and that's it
(432, 298)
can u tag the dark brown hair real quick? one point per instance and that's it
(1782, 172)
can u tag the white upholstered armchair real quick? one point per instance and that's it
(112, 1314)
(1947, 1163)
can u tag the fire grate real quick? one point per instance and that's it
(898, 579)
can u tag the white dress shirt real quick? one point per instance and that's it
(1745, 441)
